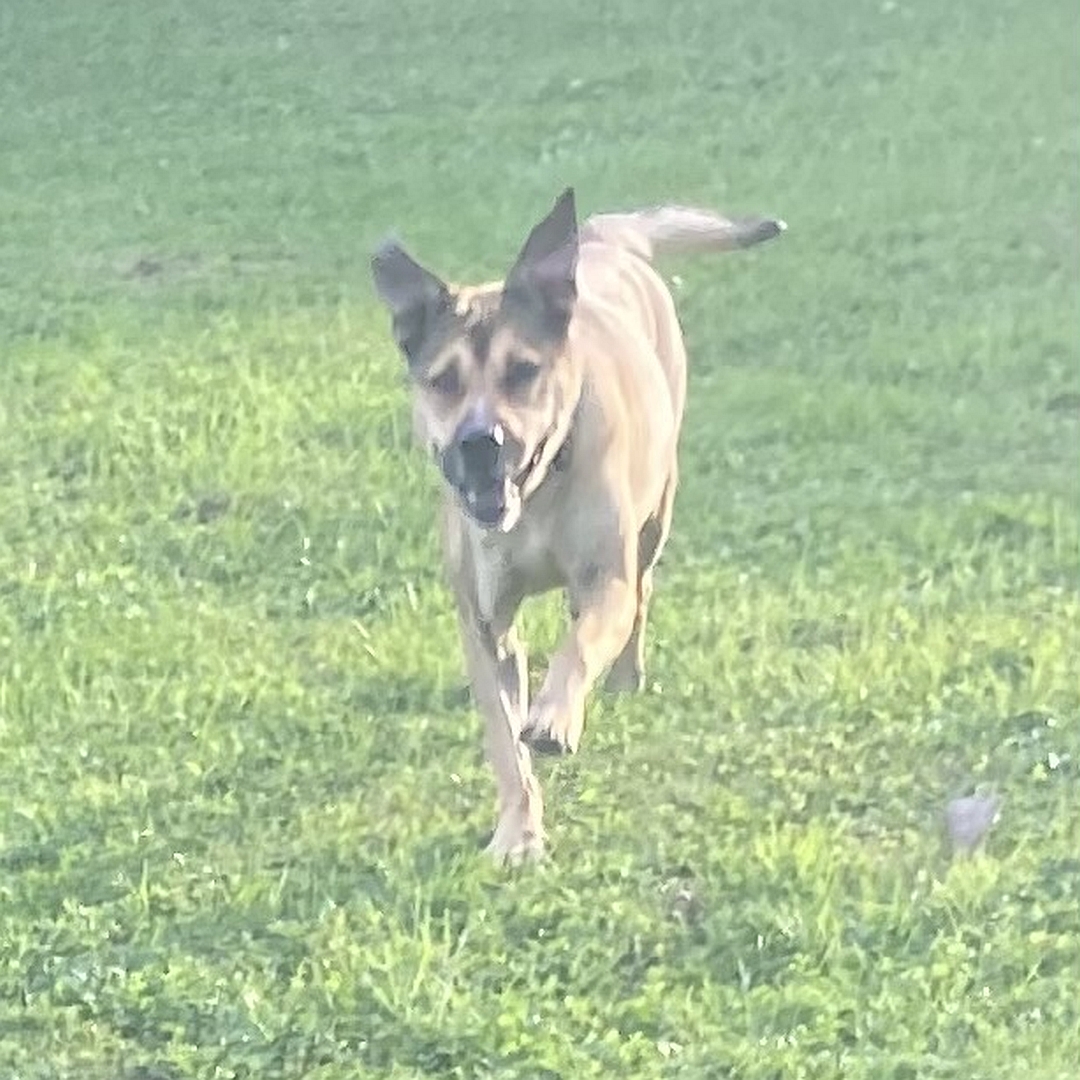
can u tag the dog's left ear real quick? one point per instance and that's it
(413, 295)
(542, 286)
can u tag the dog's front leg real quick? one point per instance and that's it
(603, 604)
(496, 664)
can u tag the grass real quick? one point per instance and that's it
(241, 793)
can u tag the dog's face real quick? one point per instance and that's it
(492, 381)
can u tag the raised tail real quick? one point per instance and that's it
(664, 230)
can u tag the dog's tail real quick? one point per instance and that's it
(669, 230)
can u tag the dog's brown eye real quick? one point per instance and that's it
(447, 382)
(521, 374)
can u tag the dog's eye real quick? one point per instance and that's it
(447, 382)
(521, 374)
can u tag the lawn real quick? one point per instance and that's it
(242, 798)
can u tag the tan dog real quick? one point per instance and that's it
(552, 403)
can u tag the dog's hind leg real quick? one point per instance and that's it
(627, 673)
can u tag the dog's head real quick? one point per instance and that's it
(492, 382)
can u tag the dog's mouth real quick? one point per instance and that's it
(495, 501)
(488, 507)
(499, 506)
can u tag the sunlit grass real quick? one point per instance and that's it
(242, 798)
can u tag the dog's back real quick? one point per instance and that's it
(615, 273)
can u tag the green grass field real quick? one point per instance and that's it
(241, 791)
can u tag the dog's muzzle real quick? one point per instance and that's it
(479, 465)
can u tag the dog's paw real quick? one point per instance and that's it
(553, 728)
(515, 842)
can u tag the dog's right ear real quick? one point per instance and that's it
(415, 296)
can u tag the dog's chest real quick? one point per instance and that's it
(522, 561)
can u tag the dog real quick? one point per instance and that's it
(552, 402)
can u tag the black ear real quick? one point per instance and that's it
(413, 295)
(541, 287)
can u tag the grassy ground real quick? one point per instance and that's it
(241, 795)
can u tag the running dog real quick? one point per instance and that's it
(551, 402)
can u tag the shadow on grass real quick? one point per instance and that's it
(396, 694)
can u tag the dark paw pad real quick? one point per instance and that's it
(543, 742)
